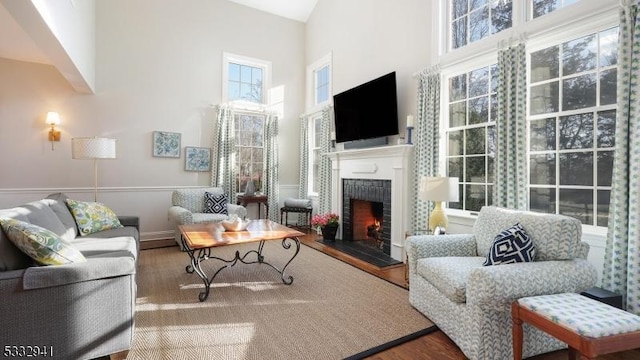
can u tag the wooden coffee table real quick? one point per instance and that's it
(199, 239)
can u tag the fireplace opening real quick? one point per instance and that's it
(367, 222)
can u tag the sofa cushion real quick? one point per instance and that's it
(200, 218)
(39, 213)
(512, 245)
(91, 246)
(449, 274)
(556, 237)
(215, 203)
(92, 217)
(58, 203)
(42, 245)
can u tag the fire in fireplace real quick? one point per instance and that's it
(366, 221)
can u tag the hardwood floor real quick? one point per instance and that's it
(435, 346)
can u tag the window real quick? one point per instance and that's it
(314, 153)
(249, 133)
(322, 85)
(470, 135)
(472, 20)
(572, 112)
(319, 84)
(245, 79)
(542, 7)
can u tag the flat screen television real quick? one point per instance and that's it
(367, 111)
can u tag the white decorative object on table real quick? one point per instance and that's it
(234, 223)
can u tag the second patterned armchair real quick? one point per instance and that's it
(471, 303)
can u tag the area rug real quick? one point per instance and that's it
(331, 311)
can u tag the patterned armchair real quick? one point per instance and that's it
(187, 207)
(471, 303)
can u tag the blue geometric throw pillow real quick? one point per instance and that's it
(215, 203)
(512, 245)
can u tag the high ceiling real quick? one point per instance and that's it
(17, 45)
(292, 9)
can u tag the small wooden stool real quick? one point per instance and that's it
(287, 209)
(589, 327)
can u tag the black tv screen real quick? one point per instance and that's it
(367, 111)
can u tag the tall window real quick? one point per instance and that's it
(249, 133)
(572, 126)
(472, 20)
(542, 7)
(471, 135)
(319, 83)
(245, 79)
(314, 153)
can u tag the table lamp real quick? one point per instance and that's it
(438, 189)
(93, 149)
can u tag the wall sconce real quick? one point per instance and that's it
(53, 119)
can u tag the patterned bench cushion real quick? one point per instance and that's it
(449, 274)
(582, 315)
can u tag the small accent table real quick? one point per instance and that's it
(199, 239)
(243, 200)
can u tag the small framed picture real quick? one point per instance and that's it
(166, 144)
(197, 158)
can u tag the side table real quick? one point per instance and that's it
(243, 200)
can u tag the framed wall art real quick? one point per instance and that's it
(197, 158)
(166, 144)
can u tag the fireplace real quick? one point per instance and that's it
(367, 212)
(380, 174)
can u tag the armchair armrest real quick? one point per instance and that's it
(423, 246)
(239, 210)
(499, 285)
(180, 215)
(94, 268)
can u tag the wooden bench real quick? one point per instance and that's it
(587, 326)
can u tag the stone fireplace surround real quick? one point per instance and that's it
(394, 163)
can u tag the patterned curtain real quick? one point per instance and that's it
(621, 273)
(222, 169)
(324, 168)
(426, 141)
(303, 190)
(271, 165)
(509, 174)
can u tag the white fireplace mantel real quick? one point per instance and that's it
(393, 163)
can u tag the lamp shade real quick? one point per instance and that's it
(439, 188)
(93, 148)
(53, 118)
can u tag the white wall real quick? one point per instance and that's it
(369, 38)
(158, 67)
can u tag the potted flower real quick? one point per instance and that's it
(327, 223)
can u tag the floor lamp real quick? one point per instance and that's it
(95, 148)
(439, 189)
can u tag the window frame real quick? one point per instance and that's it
(238, 167)
(562, 24)
(228, 58)
(322, 62)
(311, 133)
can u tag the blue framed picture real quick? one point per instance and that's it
(197, 158)
(166, 144)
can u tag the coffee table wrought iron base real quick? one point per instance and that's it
(199, 255)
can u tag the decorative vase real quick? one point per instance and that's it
(329, 232)
(249, 190)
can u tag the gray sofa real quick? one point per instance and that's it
(187, 207)
(81, 310)
(471, 303)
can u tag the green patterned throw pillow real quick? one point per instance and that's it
(92, 217)
(42, 245)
